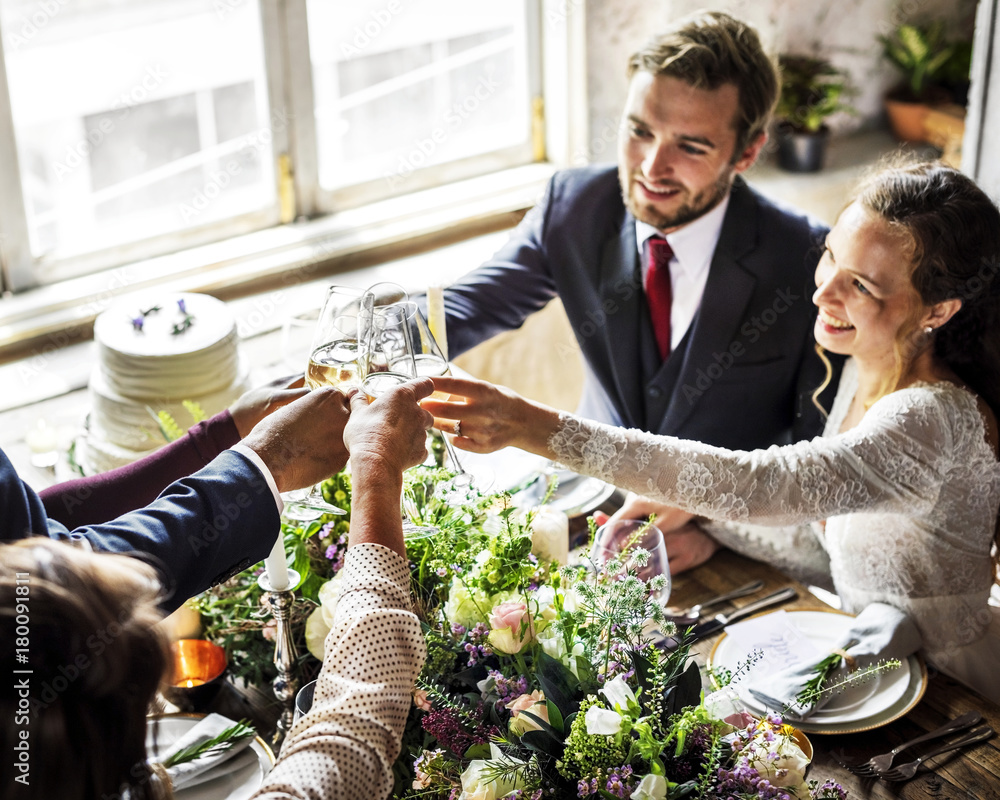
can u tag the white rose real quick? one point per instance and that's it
(787, 770)
(461, 606)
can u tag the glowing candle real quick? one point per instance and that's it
(550, 534)
(277, 566)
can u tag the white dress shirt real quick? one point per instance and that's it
(693, 246)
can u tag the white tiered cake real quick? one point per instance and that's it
(153, 354)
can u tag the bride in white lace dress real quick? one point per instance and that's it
(903, 489)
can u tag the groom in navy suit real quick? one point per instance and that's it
(689, 293)
(737, 316)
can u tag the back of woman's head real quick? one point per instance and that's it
(955, 228)
(84, 625)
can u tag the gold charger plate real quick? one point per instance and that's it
(891, 695)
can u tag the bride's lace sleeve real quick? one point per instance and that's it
(891, 461)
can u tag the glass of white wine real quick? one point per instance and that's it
(333, 361)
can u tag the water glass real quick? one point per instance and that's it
(304, 701)
(614, 539)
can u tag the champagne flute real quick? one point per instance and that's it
(333, 361)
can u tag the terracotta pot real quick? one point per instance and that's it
(906, 120)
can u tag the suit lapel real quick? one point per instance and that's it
(727, 293)
(620, 290)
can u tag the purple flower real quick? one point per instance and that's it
(138, 322)
(182, 306)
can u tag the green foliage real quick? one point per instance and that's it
(811, 90)
(210, 747)
(921, 54)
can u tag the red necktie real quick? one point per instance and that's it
(659, 295)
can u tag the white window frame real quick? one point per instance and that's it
(313, 200)
(51, 315)
(286, 54)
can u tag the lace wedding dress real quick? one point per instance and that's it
(910, 498)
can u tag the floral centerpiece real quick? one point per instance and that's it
(541, 679)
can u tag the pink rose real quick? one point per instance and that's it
(507, 621)
(420, 700)
(533, 703)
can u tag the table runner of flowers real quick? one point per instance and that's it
(541, 680)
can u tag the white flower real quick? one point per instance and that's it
(554, 645)
(788, 769)
(476, 787)
(320, 621)
(602, 722)
(651, 787)
(463, 607)
(619, 694)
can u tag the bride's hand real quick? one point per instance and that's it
(490, 417)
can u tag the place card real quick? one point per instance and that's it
(780, 643)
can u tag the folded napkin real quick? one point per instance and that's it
(210, 766)
(878, 633)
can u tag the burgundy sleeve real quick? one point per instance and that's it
(100, 498)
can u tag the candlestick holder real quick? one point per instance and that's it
(286, 683)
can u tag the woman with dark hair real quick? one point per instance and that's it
(905, 482)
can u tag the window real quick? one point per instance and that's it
(145, 126)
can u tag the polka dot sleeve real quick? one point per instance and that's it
(345, 746)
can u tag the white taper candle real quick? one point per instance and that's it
(276, 566)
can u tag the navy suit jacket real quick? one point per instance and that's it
(742, 376)
(201, 530)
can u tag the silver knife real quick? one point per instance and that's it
(722, 620)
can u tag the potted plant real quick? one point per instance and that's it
(811, 90)
(924, 57)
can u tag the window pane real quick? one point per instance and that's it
(136, 118)
(400, 86)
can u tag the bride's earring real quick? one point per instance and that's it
(928, 330)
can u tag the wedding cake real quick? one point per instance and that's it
(153, 355)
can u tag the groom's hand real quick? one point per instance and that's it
(303, 442)
(688, 546)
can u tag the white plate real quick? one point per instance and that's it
(870, 705)
(238, 785)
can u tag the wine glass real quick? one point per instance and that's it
(333, 361)
(615, 539)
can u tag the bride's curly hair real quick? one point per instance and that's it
(955, 230)
(87, 624)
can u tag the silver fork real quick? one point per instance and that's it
(906, 771)
(876, 765)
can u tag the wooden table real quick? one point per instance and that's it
(970, 774)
